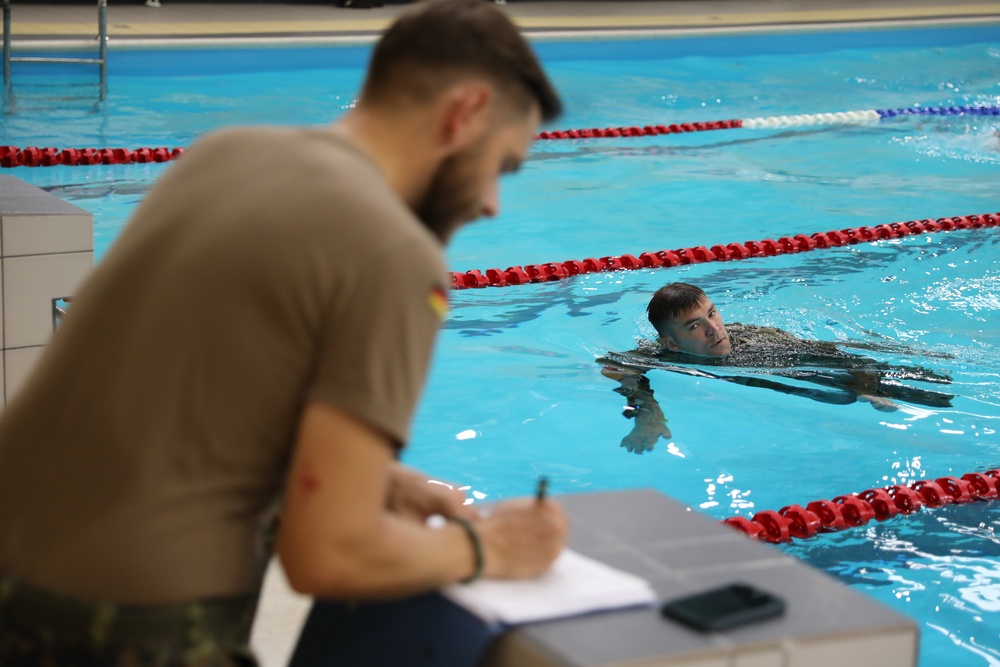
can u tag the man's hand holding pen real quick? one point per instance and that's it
(523, 536)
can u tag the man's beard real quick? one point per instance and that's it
(452, 198)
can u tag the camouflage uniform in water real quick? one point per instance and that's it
(766, 351)
(829, 365)
(42, 629)
(774, 352)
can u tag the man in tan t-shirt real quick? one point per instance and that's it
(260, 332)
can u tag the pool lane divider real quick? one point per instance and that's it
(34, 156)
(551, 271)
(853, 510)
(865, 117)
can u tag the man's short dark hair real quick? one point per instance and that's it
(671, 301)
(437, 42)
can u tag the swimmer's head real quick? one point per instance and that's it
(687, 321)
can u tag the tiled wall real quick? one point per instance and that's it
(46, 249)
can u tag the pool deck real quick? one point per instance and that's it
(194, 21)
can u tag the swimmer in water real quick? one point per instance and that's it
(692, 333)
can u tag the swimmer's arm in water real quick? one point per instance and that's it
(649, 422)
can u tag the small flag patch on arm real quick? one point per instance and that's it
(438, 300)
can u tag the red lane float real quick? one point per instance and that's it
(849, 511)
(640, 131)
(33, 156)
(538, 273)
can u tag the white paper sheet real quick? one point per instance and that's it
(574, 585)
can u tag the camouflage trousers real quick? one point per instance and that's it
(39, 628)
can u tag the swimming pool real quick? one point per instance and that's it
(515, 390)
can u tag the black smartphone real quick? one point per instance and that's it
(723, 608)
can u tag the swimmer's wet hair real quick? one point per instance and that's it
(671, 301)
(439, 42)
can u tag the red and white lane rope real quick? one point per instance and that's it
(864, 117)
(34, 156)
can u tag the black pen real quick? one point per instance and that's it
(543, 487)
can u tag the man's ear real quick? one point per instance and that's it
(466, 114)
(670, 343)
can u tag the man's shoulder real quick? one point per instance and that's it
(739, 327)
(769, 346)
(265, 133)
(307, 191)
(300, 150)
(259, 138)
(314, 177)
(760, 334)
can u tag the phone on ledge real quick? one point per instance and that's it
(722, 608)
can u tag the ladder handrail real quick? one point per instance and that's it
(6, 45)
(102, 48)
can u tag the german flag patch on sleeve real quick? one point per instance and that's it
(438, 301)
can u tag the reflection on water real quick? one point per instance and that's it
(132, 192)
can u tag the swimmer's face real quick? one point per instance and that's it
(466, 186)
(698, 331)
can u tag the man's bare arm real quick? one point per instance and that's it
(341, 538)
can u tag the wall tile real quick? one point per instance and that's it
(888, 649)
(46, 234)
(17, 365)
(29, 285)
(713, 660)
(29, 203)
(764, 657)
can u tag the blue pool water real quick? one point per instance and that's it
(515, 390)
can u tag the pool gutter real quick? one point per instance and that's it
(180, 26)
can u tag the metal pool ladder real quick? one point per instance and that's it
(102, 49)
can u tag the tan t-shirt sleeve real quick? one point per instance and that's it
(378, 336)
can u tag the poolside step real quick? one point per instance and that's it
(46, 249)
(680, 552)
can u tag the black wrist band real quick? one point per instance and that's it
(477, 548)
